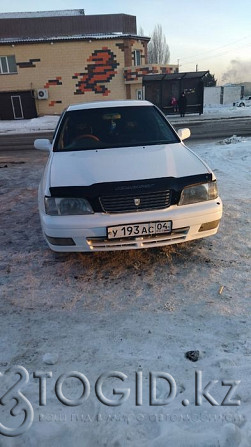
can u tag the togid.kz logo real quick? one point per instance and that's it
(21, 405)
(19, 415)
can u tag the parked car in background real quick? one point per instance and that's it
(119, 177)
(244, 102)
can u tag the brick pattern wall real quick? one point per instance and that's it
(100, 70)
(28, 64)
(73, 72)
(52, 103)
(51, 82)
(136, 74)
(76, 71)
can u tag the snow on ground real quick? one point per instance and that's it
(135, 311)
(42, 123)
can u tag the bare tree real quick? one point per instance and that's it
(158, 50)
(140, 31)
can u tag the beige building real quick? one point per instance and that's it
(52, 59)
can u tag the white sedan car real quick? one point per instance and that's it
(119, 177)
(244, 102)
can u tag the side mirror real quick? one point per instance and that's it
(42, 144)
(184, 133)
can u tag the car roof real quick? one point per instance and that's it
(103, 104)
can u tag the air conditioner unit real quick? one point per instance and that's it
(42, 93)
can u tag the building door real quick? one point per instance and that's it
(140, 93)
(17, 107)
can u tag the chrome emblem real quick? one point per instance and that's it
(136, 202)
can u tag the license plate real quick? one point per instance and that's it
(141, 229)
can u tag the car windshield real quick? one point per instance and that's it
(110, 127)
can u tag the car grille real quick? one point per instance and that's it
(102, 243)
(136, 202)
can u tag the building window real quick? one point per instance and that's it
(8, 64)
(137, 57)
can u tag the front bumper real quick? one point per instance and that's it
(88, 233)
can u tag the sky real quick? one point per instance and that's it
(210, 35)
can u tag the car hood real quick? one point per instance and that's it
(85, 168)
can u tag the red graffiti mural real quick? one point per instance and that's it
(101, 70)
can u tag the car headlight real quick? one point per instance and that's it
(55, 206)
(198, 193)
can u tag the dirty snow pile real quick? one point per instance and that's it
(232, 140)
